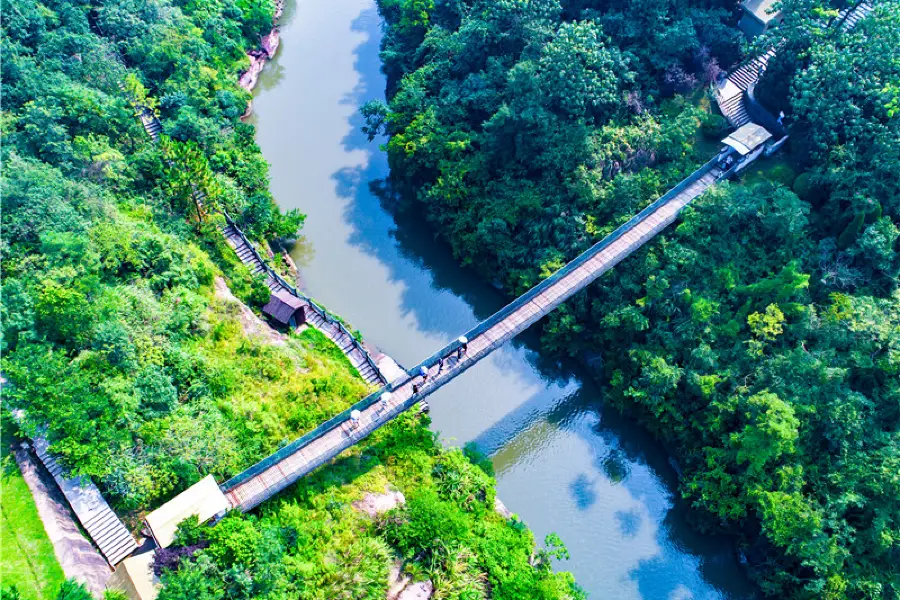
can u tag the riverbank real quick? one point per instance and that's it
(564, 462)
(268, 46)
(733, 334)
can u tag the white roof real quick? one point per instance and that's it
(135, 577)
(747, 138)
(203, 499)
(760, 9)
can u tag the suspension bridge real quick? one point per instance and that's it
(281, 469)
(278, 471)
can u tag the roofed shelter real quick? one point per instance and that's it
(758, 15)
(747, 138)
(203, 499)
(285, 308)
(135, 577)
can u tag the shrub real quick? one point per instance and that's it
(426, 524)
(73, 590)
(462, 482)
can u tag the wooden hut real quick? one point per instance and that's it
(757, 16)
(285, 309)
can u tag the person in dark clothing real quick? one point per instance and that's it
(463, 347)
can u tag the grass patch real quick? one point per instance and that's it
(27, 561)
(321, 345)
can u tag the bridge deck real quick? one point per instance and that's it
(286, 466)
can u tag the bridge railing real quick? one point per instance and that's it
(371, 399)
(574, 264)
(306, 438)
(315, 306)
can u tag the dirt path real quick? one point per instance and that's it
(253, 326)
(76, 555)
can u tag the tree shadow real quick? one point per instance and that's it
(446, 299)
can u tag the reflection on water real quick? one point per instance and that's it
(564, 462)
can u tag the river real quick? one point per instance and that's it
(565, 462)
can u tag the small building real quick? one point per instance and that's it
(135, 577)
(285, 309)
(748, 142)
(203, 499)
(758, 15)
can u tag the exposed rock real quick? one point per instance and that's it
(397, 581)
(269, 46)
(501, 509)
(258, 60)
(375, 504)
(421, 590)
(250, 323)
(269, 43)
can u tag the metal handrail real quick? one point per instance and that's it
(374, 397)
(318, 309)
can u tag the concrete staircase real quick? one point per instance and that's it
(730, 94)
(99, 521)
(316, 316)
(730, 91)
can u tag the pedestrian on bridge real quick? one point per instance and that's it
(354, 418)
(463, 347)
(423, 371)
(440, 365)
(383, 403)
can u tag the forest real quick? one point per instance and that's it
(759, 337)
(125, 342)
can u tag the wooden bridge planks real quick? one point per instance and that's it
(250, 492)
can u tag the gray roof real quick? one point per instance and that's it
(282, 305)
(747, 138)
(760, 9)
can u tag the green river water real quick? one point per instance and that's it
(564, 461)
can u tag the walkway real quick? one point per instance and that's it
(273, 474)
(316, 316)
(730, 92)
(98, 519)
(76, 555)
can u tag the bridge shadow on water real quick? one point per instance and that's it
(446, 299)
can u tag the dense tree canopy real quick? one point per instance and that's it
(759, 336)
(123, 345)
